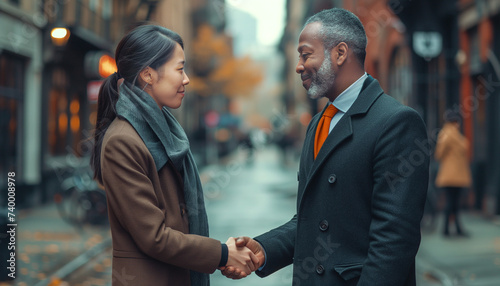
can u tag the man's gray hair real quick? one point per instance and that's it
(340, 25)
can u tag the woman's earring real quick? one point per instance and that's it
(144, 86)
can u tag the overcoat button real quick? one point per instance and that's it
(298, 176)
(332, 178)
(323, 225)
(320, 269)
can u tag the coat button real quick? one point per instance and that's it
(298, 177)
(332, 178)
(320, 269)
(323, 225)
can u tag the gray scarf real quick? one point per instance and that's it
(166, 140)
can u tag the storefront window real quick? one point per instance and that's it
(11, 93)
(64, 125)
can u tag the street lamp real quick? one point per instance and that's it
(59, 36)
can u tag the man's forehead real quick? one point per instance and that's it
(312, 29)
(310, 36)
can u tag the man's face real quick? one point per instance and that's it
(314, 66)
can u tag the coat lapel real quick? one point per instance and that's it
(340, 132)
(309, 143)
(343, 130)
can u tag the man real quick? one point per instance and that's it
(361, 193)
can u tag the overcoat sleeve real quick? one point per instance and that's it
(400, 174)
(130, 192)
(279, 245)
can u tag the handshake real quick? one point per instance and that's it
(245, 256)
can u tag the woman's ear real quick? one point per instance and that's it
(146, 76)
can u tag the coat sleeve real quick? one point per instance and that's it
(132, 197)
(400, 173)
(279, 246)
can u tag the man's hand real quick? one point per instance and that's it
(241, 260)
(233, 272)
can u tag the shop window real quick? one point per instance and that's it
(11, 93)
(64, 125)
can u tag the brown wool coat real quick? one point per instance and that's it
(149, 224)
(451, 152)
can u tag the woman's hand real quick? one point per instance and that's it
(234, 273)
(241, 259)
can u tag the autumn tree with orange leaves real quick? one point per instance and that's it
(217, 71)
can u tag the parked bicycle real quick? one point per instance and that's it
(80, 200)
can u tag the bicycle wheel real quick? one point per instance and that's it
(67, 205)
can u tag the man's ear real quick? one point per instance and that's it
(146, 75)
(339, 53)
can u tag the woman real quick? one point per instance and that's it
(454, 172)
(141, 155)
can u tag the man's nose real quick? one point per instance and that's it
(299, 68)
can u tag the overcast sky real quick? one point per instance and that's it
(270, 15)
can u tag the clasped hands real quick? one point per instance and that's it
(245, 256)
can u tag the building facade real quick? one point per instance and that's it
(479, 63)
(48, 82)
(21, 68)
(53, 56)
(72, 64)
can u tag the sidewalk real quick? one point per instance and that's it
(471, 261)
(49, 247)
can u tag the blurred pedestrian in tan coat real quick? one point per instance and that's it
(454, 170)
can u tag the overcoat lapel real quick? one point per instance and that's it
(308, 159)
(340, 132)
(343, 130)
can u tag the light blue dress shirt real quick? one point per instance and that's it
(345, 100)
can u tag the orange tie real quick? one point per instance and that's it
(323, 128)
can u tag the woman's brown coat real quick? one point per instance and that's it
(148, 219)
(451, 152)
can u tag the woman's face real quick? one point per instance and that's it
(169, 81)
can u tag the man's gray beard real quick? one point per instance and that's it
(323, 80)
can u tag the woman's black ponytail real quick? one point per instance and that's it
(106, 113)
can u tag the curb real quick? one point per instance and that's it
(76, 263)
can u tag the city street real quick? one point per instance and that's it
(255, 196)
(246, 84)
(243, 197)
(463, 261)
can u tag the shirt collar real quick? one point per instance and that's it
(345, 100)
